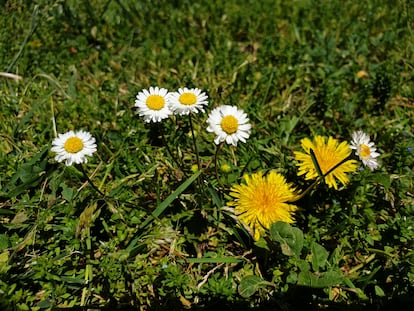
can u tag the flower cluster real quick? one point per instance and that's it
(157, 103)
(228, 123)
(262, 199)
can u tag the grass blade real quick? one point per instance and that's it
(163, 205)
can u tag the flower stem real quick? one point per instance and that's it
(300, 196)
(90, 182)
(194, 142)
(199, 182)
(164, 140)
(218, 148)
(316, 164)
(86, 292)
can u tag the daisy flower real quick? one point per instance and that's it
(73, 147)
(229, 124)
(262, 201)
(365, 149)
(153, 104)
(328, 155)
(187, 100)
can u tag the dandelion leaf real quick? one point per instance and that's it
(251, 284)
(290, 238)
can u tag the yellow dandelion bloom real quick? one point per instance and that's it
(262, 201)
(328, 155)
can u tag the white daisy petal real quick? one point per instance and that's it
(73, 147)
(187, 100)
(153, 105)
(365, 150)
(230, 124)
(217, 140)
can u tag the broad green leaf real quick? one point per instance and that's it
(360, 293)
(379, 292)
(319, 256)
(4, 241)
(290, 238)
(44, 304)
(320, 280)
(262, 244)
(4, 257)
(19, 218)
(68, 193)
(30, 174)
(292, 278)
(251, 284)
(383, 179)
(303, 265)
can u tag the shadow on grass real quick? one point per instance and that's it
(400, 303)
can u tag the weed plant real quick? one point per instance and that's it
(162, 217)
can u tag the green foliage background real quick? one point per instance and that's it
(297, 68)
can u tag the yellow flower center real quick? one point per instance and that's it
(327, 159)
(265, 201)
(155, 102)
(229, 124)
(188, 99)
(73, 144)
(365, 151)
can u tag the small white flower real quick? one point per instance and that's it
(229, 124)
(187, 100)
(153, 104)
(73, 147)
(364, 148)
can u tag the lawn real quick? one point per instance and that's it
(172, 155)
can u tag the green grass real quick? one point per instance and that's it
(159, 238)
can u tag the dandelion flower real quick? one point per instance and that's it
(328, 155)
(187, 100)
(153, 104)
(365, 149)
(73, 147)
(262, 201)
(229, 124)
